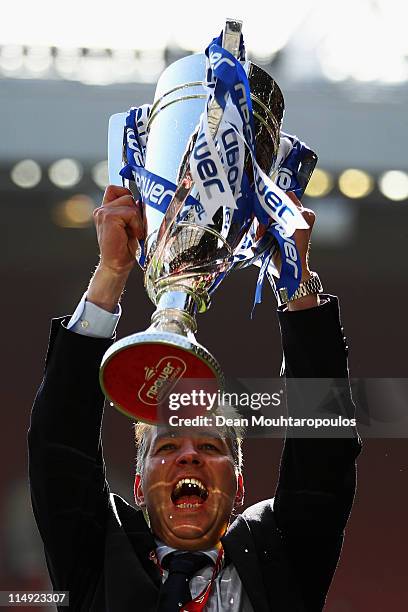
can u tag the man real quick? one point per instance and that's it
(279, 555)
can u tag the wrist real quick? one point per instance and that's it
(303, 303)
(106, 287)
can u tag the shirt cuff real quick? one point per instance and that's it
(91, 320)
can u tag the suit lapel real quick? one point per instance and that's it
(239, 547)
(140, 537)
(130, 576)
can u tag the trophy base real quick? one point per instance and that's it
(139, 373)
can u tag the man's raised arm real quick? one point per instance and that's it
(69, 492)
(317, 475)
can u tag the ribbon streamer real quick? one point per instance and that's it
(218, 169)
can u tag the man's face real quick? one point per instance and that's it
(189, 487)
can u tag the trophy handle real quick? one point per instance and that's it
(305, 171)
(116, 128)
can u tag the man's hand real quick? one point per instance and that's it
(119, 226)
(302, 240)
(302, 236)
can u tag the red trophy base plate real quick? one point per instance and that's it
(141, 372)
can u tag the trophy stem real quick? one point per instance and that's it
(175, 313)
(140, 371)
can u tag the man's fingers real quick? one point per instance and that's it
(118, 206)
(124, 200)
(124, 215)
(309, 216)
(113, 192)
(137, 227)
(295, 199)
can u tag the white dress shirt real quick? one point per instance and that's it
(91, 320)
(227, 591)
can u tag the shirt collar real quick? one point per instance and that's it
(162, 550)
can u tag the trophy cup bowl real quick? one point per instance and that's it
(185, 259)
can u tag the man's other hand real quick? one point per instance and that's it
(302, 240)
(302, 236)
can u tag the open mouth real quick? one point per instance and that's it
(189, 493)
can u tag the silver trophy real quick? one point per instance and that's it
(185, 259)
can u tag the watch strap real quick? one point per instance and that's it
(311, 286)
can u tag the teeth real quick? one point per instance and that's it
(189, 482)
(188, 505)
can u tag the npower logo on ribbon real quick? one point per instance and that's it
(152, 188)
(161, 379)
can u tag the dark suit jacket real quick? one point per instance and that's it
(97, 546)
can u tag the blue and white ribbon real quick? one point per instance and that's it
(292, 152)
(269, 201)
(155, 191)
(231, 75)
(217, 167)
(209, 175)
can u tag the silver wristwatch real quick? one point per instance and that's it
(309, 287)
